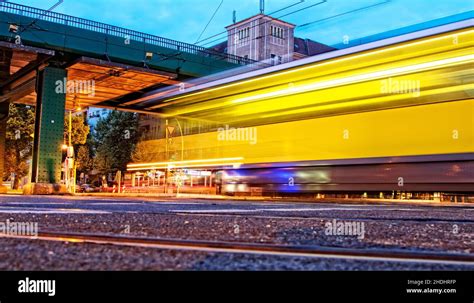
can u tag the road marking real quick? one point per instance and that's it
(10, 210)
(112, 204)
(164, 203)
(205, 211)
(331, 209)
(35, 203)
(306, 209)
(236, 210)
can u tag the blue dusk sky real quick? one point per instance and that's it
(327, 22)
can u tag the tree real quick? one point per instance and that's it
(84, 159)
(80, 129)
(115, 138)
(19, 141)
(146, 151)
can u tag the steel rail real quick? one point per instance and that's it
(256, 248)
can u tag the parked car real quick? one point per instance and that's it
(88, 188)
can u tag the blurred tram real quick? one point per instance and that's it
(395, 115)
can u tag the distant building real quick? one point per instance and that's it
(267, 39)
(306, 48)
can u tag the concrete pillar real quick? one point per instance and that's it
(49, 133)
(3, 128)
(5, 72)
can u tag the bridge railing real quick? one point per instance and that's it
(67, 20)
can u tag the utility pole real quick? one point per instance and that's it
(70, 167)
(262, 6)
(70, 128)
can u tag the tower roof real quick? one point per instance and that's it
(260, 16)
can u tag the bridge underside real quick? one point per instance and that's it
(90, 82)
(38, 77)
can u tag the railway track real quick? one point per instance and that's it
(256, 248)
(287, 216)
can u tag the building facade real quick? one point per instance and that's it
(261, 38)
(266, 39)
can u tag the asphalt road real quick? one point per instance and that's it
(406, 227)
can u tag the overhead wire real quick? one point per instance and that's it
(316, 21)
(212, 18)
(225, 32)
(279, 17)
(345, 13)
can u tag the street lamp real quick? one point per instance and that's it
(13, 28)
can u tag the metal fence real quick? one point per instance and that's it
(40, 14)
